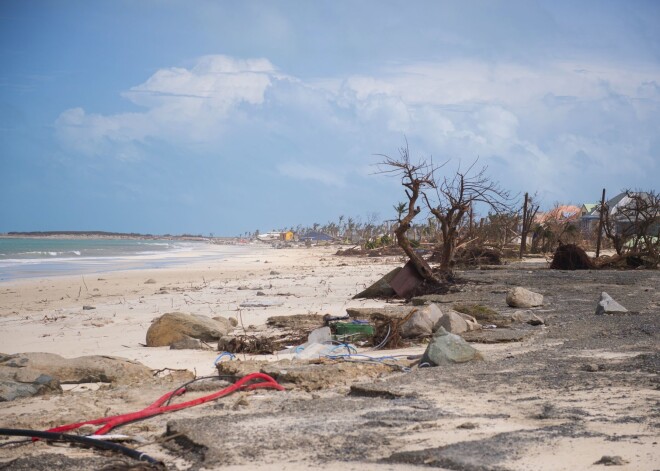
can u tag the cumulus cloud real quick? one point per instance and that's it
(540, 126)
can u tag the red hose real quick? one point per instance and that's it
(157, 407)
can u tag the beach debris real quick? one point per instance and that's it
(611, 461)
(305, 322)
(607, 305)
(251, 344)
(571, 257)
(85, 369)
(174, 326)
(521, 297)
(150, 281)
(448, 348)
(478, 312)
(381, 288)
(88, 308)
(406, 281)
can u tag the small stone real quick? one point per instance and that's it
(233, 321)
(150, 281)
(590, 367)
(453, 322)
(611, 461)
(261, 293)
(273, 272)
(468, 426)
(88, 308)
(448, 348)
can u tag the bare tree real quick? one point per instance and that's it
(454, 196)
(635, 225)
(415, 178)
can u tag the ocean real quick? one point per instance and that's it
(49, 256)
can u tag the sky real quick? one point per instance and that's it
(177, 116)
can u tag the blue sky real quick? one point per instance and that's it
(225, 117)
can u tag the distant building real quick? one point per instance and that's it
(315, 236)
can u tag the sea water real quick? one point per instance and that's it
(49, 256)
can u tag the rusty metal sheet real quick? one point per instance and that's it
(405, 282)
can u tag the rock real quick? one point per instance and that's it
(527, 317)
(43, 384)
(521, 297)
(453, 322)
(607, 305)
(422, 323)
(226, 322)
(233, 321)
(187, 343)
(150, 281)
(448, 348)
(381, 288)
(86, 369)
(88, 308)
(611, 461)
(273, 272)
(175, 326)
(478, 312)
(261, 293)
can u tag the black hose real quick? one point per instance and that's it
(92, 442)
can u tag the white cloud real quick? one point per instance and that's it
(536, 126)
(311, 172)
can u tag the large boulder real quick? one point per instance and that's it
(446, 348)
(607, 305)
(422, 322)
(521, 297)
(175, 326)
(28, 367)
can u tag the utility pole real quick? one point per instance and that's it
(523, 232)
(600, 224)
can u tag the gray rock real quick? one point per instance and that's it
(150, 281)
(611, 461)
(607, 305)
(453, 322)
(448, 348)
(521, 297)
(43, 384)
(422, 323)
(88, 308)
(29, 367)
(175, 326)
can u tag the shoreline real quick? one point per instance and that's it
(47, 314)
